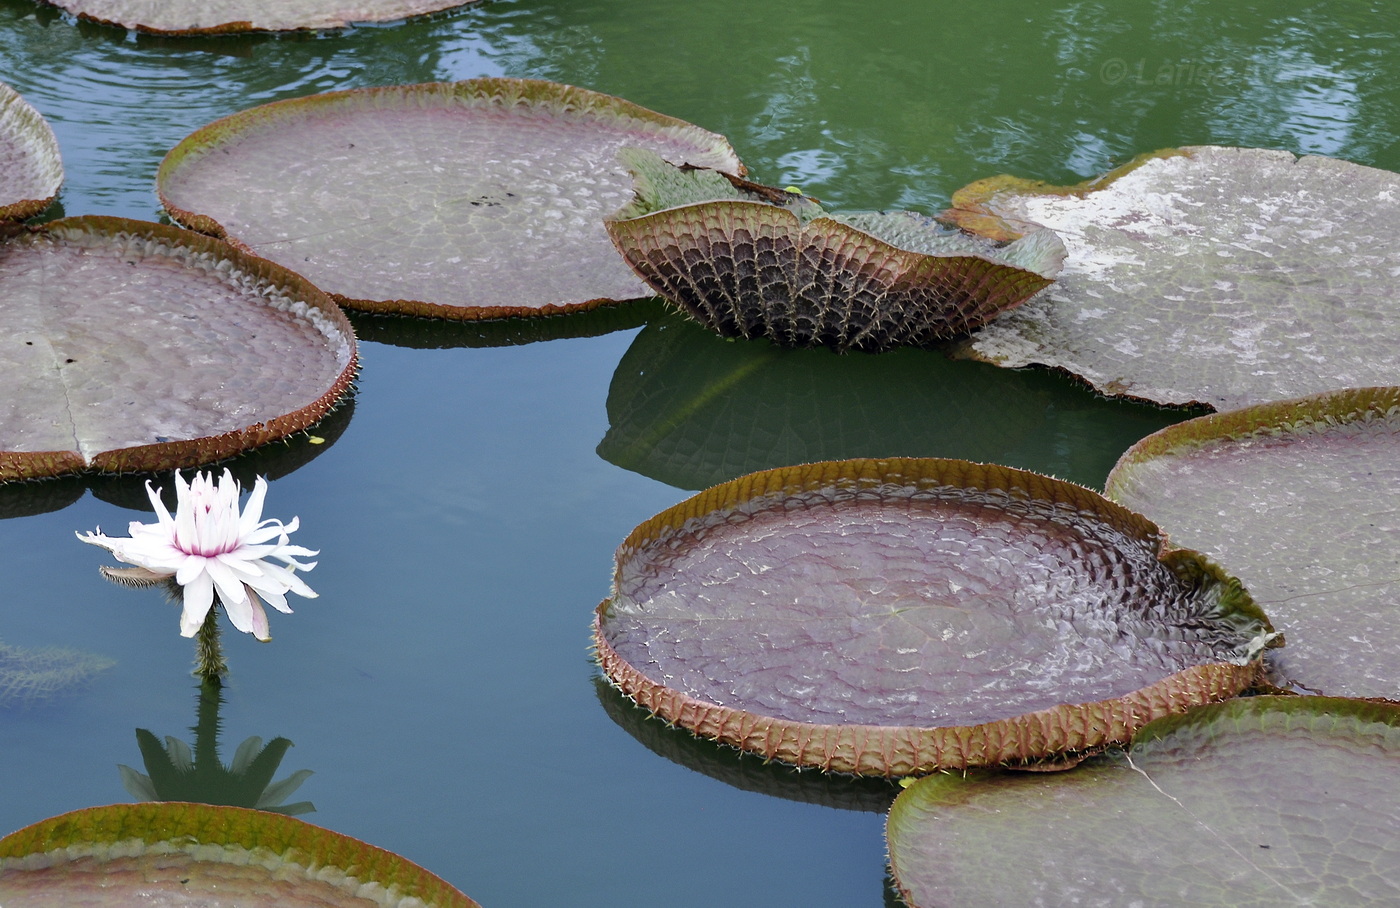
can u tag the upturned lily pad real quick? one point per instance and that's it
(131, 346)
(1301, 500)
(890, 617)
(751, 261)
(200, 854)
(31, 169)
(1220, 276)
(226, 16)
(1261, 801)
(467, 200)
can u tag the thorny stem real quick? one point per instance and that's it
(209, 662)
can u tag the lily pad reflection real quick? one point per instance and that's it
(693, 410)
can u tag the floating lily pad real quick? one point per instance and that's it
(28, 676)
(1301, 500)
(898, 616)
(467, 200)
(200, 854)
(750, 261)
(1221, 276)
(30, 167)
(225, 16)
(131, 346)
(1261, 801)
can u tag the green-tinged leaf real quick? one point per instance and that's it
(227, 16)
(198, 854)
(1301, 500)
(465, 200)
(131, 346)
(1261, 801)
(31, 169)
(751, 261)
(890, 617)
(1221, 276)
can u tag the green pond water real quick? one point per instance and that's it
(467, 505)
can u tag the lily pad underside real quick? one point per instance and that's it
(31, 169)
(129, 346)
(890, 617)
(1220, 276)
(1261, 801)
(228, 16)
(465, 200)
(752, 261)
(1301, 500)
(201, 854)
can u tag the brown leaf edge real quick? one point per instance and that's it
(38, 131)
(1276, 419)
(1055, 734)
(173, 455)
(972, 290)
(187, 826)
(973, 207)
(245, 26)
(567, 100)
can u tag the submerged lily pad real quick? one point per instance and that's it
(1221, 276)
(131, 346)
(31, 169)
(889, 617)
(200, 854)
(1261, 801)
(225, 16)
(751, 261)
(467, 200)
(28, 676)
(1301, 500)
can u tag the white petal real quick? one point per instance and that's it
(199, 596)
(232, 590)
(252, 511)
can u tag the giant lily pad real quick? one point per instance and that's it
(468, 200)
(134, 346)
(30, 167)
(751, 261)
(225, 16)
(1261, 801)
(889, 617)
(1301, 500)
(1222, 276)
(199, 854)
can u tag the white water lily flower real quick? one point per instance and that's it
(209, 546)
